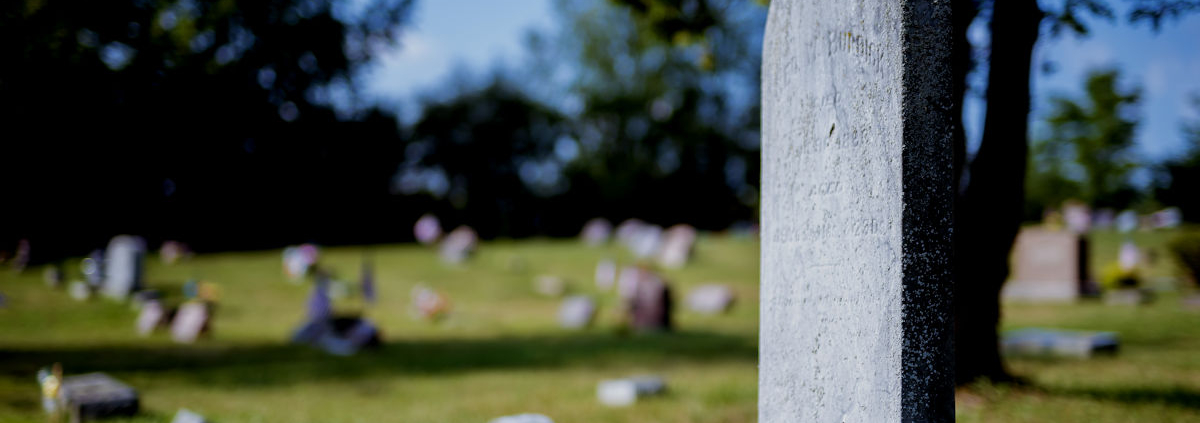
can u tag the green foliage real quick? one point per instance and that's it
(1070, 14)
(1185, 249)
(1087, 153)
(666, 130)
(189, 114)
(490, 153)
(1156, 11)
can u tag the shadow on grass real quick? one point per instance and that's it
(276, 364)
(1171, 396)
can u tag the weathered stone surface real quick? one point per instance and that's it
(856, 320)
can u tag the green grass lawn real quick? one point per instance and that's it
(501, 351)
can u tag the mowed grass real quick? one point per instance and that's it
(1155, 376)
(501, 351)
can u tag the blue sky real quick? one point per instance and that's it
(1166, 65)
(476, 34)
(447, 35)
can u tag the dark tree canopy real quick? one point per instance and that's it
(204, 120)
(1179, 178)
(669, 127)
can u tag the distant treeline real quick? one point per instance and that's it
(233, 126)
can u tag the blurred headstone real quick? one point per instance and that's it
(428, 304)
(646, 242)
(298, 260)
(1078, 217)
(150, 317)
(550, 285)
(94, 396)
(606, 274)
(626, 231)
(710, 299)
(189, 322)
(649, 303)
(79, 291)
(625, 392)
(427, 229)
(21, 256)
(677, 243)
(596, 232)
(1058, 343)
(1129, 256)
(123, 266)
(172, 251)
(523, 418)
(577, 312)
(627, 282)
(1046, 266)
(1170, 217)
(187, 416)
(458, 245)
(1127, 221)
(52, 276)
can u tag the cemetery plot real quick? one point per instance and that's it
(501, 351)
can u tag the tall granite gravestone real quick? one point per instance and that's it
(856, 318)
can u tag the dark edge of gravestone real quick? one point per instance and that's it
(927, 384)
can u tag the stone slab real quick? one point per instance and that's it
(97, 395)
(1058, 343)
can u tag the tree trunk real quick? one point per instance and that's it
(990, 208)
(963, 13)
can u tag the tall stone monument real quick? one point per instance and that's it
(857, 190)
